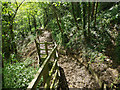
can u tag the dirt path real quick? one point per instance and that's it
(30, 50)
(77, 76)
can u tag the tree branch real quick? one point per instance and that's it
(17, 9)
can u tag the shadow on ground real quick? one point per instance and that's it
(63, 81)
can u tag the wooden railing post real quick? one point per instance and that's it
(45, 74)
(38, 51)
(46, 48)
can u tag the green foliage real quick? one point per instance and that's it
(18, 75)
(93, 55)
(75, 40)
(117, 48)
(32, 16)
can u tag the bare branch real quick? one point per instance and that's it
(17, 9)
(21, 3)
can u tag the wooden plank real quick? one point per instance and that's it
(33, 84)
(50, 74)
(46, 48)
(43, 54)
(105, 86)
(47, 43)
(47, 84)
(42, 49)
(43, 59)
(53, 67)
(57, 54)
(56, 84)
(45, 74)
(54, 78)
(38, 51)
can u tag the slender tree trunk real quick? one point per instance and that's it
(40, 23)
(78, 9)
(93, 8)
(95, 16)
(13, 44)
(89, 22)
(38, 51)
(34, 22)
(84, 19)
(46, 17)
(29, 22)
(73, 11)
(56, 16)
(84, 30)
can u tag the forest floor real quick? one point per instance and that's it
(76, 74)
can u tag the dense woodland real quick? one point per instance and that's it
(90, 30)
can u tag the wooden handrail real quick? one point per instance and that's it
(44, 49)
(33, 84)
(46, 42)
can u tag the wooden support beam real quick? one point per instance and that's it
(46, 49)
(47, 84)
(45, 74)
(38, 51)
(54, 78)
(43, 54)
(47, 43)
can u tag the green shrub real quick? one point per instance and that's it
(18, 75)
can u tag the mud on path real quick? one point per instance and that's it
(77, 75)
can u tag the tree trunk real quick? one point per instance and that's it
(84, 19)
(95, 16)
(29, 22)
(34, 22)
(56, 16)
(75, 20)
(40, 23)
(13, 44)
(38, 51)
(93, 8)
(78, 11)
(89, 22)
(46, 18)
(11, 18)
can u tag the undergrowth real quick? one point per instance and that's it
(18, 75)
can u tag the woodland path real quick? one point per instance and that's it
(74, 74)
(77, 75)
(30, 50)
